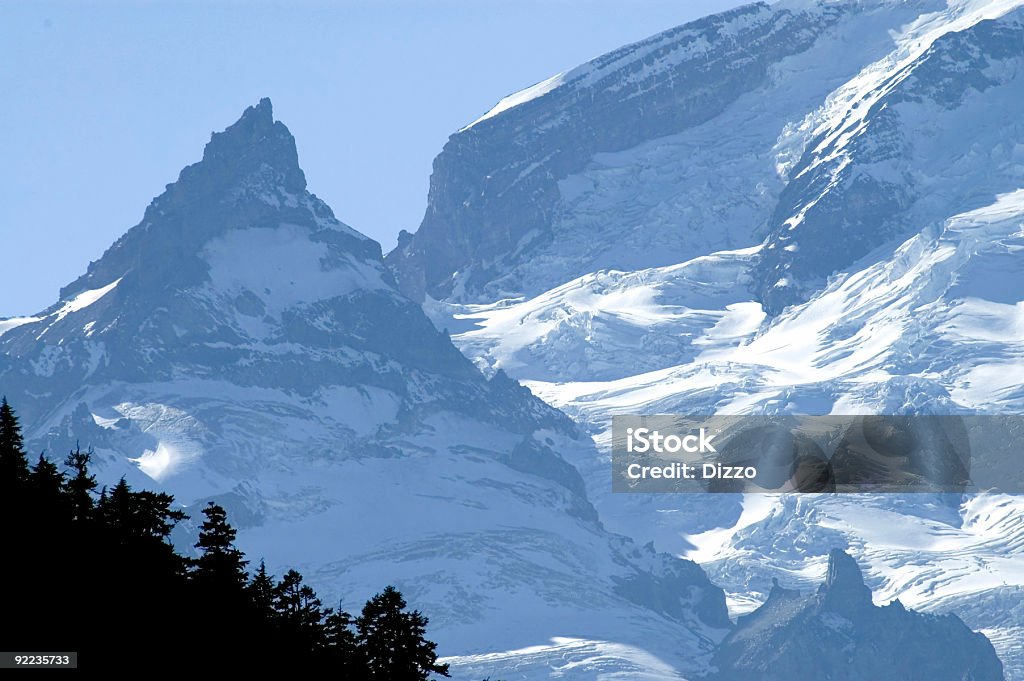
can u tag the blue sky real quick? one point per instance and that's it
(104, 102)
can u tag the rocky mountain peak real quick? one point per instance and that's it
(249, 177)
(850, 638)
(843, 572)
(844, 583)
(255, 143)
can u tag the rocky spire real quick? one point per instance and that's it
(254, 143)
(844, 583)
(839, 633)
(247, 174)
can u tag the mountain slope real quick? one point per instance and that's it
(877, 175)
(495, 193)
(917, 137)
(931, 329)
(242, 345)
(662, 151)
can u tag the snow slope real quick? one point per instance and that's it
(932, 328)
(662, 151)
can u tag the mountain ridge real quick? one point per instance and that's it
(837, 632)
(681, 78)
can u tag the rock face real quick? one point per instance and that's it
(818, 132)
(497, 191)
(838, 633)
(917, 141)
(243, 345)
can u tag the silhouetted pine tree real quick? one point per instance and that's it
(13, 464)
(142, 521)
(394, 641)
(81, 484)
(47, 501)
(137, 515)
(342, 645)
(153, 516)
(298, 612)
(98, 574)
(45, 479)
(261, 593)
(220, 565)
(19, 524)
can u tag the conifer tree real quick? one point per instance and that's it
(113, 508)
(13, 464)
(394, 642)
(81, 484)
(342, 644)
(46, 485)
(46, 479)
(299, 612)
(154, 517)
(220, 564)
(261, 592)
(138, 515)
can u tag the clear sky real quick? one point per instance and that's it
(104, 102)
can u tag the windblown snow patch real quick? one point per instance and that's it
(521, 97)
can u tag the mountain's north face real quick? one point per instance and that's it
(242, 345)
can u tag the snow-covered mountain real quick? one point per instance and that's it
(812, 206)
(515, 204)
(930, 131)
(830, 220)
(241, 344)
(694, 141)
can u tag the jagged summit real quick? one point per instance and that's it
(256, 121)
(249, 177)
(838, 633)
(254, 157)
(252, 144)
(844, 581)
(843, 571)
